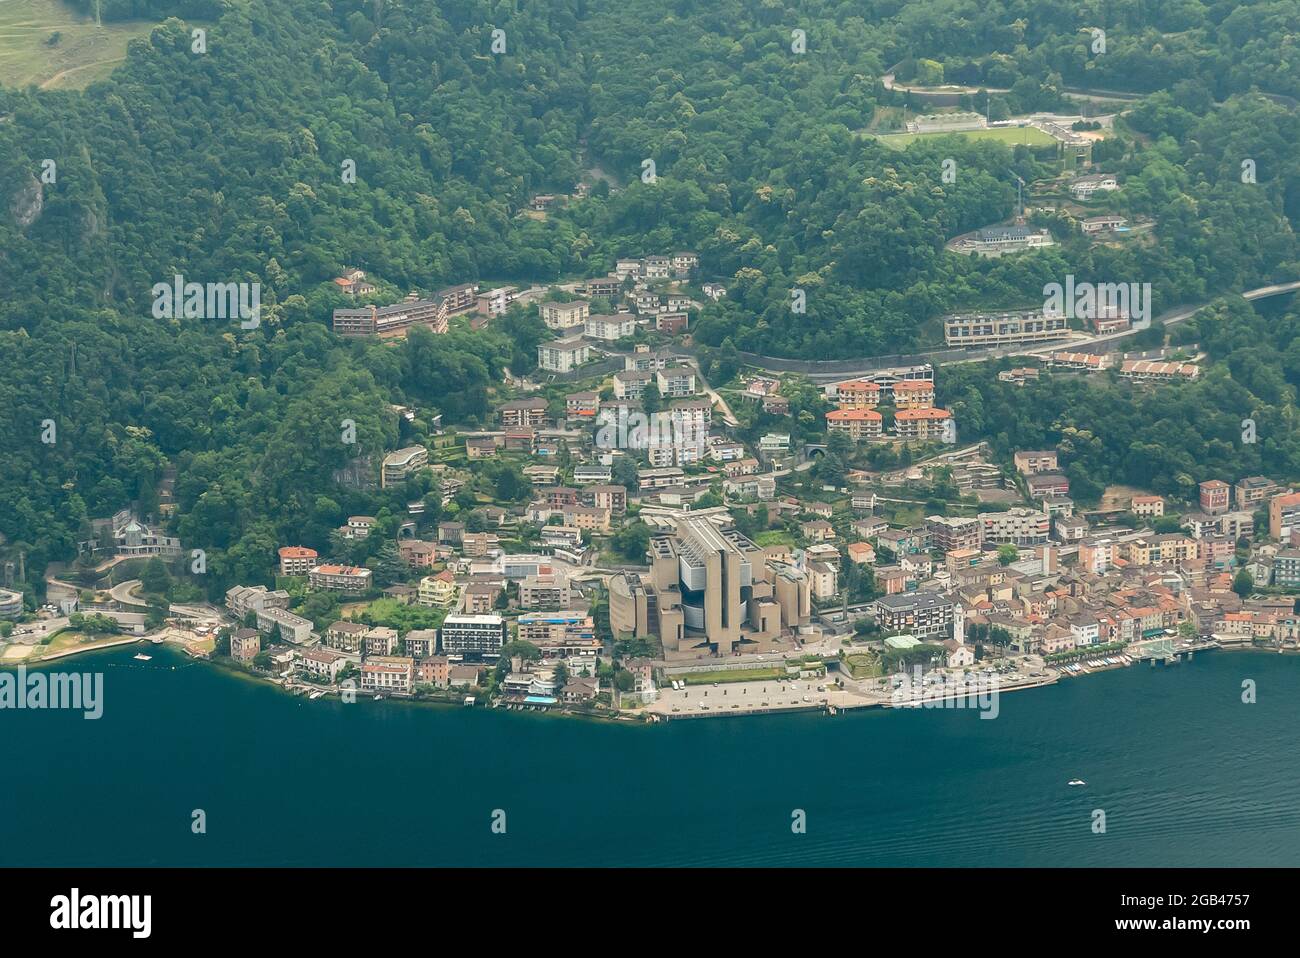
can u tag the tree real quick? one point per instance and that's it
(1243, 583)
(625, 472)
(1007, 554)
(155, 579)
(388, 565)
(632, 541)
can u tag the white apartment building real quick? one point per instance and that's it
(1021, 527)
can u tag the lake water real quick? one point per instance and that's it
(1185, 773)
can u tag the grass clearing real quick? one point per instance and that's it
(84, 53)
(734, 675)
(1011, 135)
(864, 665)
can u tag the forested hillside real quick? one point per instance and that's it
(226, 165)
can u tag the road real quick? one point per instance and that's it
(945, 91)
(125, 592)
(872, 364)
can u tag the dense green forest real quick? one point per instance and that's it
(226, 165)
(1167, 438)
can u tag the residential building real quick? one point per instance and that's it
(861, 553)
(1021, 527)
(823, 579)
(358, 527)
(563, 355)
(323, 663)
(388, 673)
(243, 599)
(605, 287)
(495, 302)
(1097, 556)
(433, 670)
(1286, 568)
(1047, 485)
(1168, 549)
(475, 636)
(923, 424)
(605, 496)
(582, 405)
(676, 381)
(419, 554)
(439, 591)
(858, 424)
(1106, 223)
(920, 614)
(913, 394)
(1283, 515)
(1080, 362)
(399, 465)
(1032, 462)
(1145, 370)
(345, 636)
(550, 591)
(1147, 506)
(340, 578)
(245, 644)
(458, 299)
(379, 640)
(392, 321)
(1083, 187)
(523, 413)
(1253, 490)
(296, 560)
(948, 533)
(610, 327)
(354, 283)
(858, 394)
(1005, 328)
(565, 316)
(631, 383)
(670, 324)
(1214, 496)
(293, 628)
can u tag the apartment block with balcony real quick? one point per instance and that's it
(1020, 527)
(563, 355)
(565, 316)
(398, 466)
(296, 560)
(859, 424)
(1003, 329)
(473, 636)
(340, 578)
(923, 424)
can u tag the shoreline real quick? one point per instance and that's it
(641, 716)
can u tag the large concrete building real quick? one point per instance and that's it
(709, 587)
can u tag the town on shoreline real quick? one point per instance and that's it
(636, 542)
(643, 532)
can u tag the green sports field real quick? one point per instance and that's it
(1011, 135)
